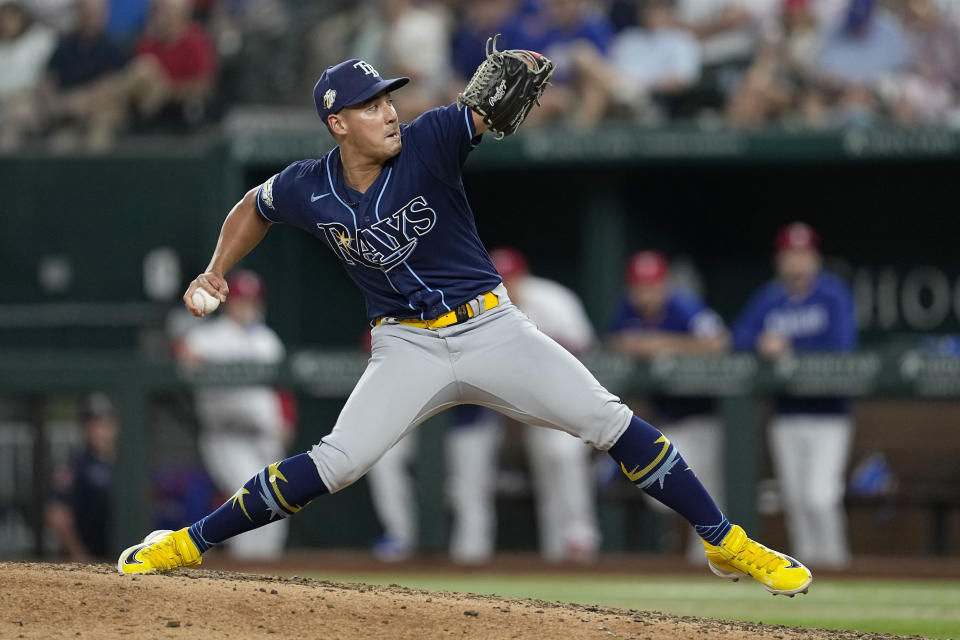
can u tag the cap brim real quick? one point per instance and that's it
(380, 87)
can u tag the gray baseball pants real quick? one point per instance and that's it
(498, 359)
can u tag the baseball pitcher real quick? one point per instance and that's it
(389, 201)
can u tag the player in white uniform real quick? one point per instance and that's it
(242, 428)
(565, 504)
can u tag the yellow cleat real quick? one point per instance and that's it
(737, 556)
(160, 551)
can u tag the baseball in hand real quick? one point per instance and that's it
(204, 301)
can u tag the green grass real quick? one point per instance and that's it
(901, 607)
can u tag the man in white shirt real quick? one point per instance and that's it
(242, 428)
(657, 59)
(728, 30)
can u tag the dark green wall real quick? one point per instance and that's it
(576, 222)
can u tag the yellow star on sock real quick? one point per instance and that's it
(238, 497)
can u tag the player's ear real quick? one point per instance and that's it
(336, 124)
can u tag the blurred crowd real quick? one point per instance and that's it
(82, 72)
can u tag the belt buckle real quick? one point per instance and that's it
(473, 308)
(469, 309)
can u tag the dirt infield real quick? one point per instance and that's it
(70, 601)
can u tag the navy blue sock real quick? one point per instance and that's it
(652, 463)
(278, 491)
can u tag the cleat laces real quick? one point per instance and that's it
(164, 554)
(756, 555)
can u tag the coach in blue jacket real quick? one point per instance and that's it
(806, 309)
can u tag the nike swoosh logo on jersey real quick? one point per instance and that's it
(132, 556)
(314, 197)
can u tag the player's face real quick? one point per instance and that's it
(12, 21)
(656, 16)
(373, 127)
(91, 15)
(797, 268)
(101, 435)
(565, 12)
(649, 299)
(920, 12)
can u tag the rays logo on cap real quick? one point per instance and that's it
(367, 69)
(329, 97)
(349, 84)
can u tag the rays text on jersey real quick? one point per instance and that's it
(387, 242)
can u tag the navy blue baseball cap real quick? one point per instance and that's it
(349, 83)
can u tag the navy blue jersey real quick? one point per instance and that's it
(410, 241)
(824, 320)
(85, 486)
(683, 313)
(77, 61)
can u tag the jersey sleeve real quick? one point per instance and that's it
(599, 32)
(574, 332)
(621, 317)
(63, 483)
(201, 341)
(443, 137)
(275, 350)
(698, 320)
(705, 323)
(842, 332)
(277, 199)
(57, 59)
(749, 325)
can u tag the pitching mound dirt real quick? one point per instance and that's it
(70, 601)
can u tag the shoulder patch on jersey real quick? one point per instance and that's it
(266, 192)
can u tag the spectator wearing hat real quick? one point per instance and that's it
(242, 428)
(79, 511)
(806, 310)
(566, 519)
(656, 319)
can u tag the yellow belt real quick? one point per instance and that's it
(462, 313)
